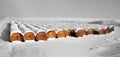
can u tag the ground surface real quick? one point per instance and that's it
(88, 46)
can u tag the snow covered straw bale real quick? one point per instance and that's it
(57, 28)
(80, 32)
(102, 31)
(107, 30)
(90, 31)
(54, 31)
(51, 33)
(28, 33)
(40, 34)
(61, 33)
(15, 33)
(68, 32)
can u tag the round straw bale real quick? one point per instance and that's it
(80, 32)
(102, 31)
(51, 34)
(41, 36)
(68, 32)
(60, 33)
(16, 37)
(29, 36)
(90, 31)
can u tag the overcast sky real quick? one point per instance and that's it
(61, 8)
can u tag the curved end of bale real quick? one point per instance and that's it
(51, 34)
(80, 33)
(41, 36)
(102, 31)
(112, 29)
(68, 32)
(16, 37)
(107, 30)
(61, 34)
(90, 31)
(29, 36)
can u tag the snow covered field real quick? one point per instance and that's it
(107, 45)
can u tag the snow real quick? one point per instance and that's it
(24, 29)
(107, 45)
(51, 38)
(14, 29)
(78, 29)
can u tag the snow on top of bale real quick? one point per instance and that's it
(78, 29)
(36, 30)
(14, 29)
(58, 30)
(24, 29)
(40, 30)
(50, 30)
(32, 27)
(51, 38)
(39, 27)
